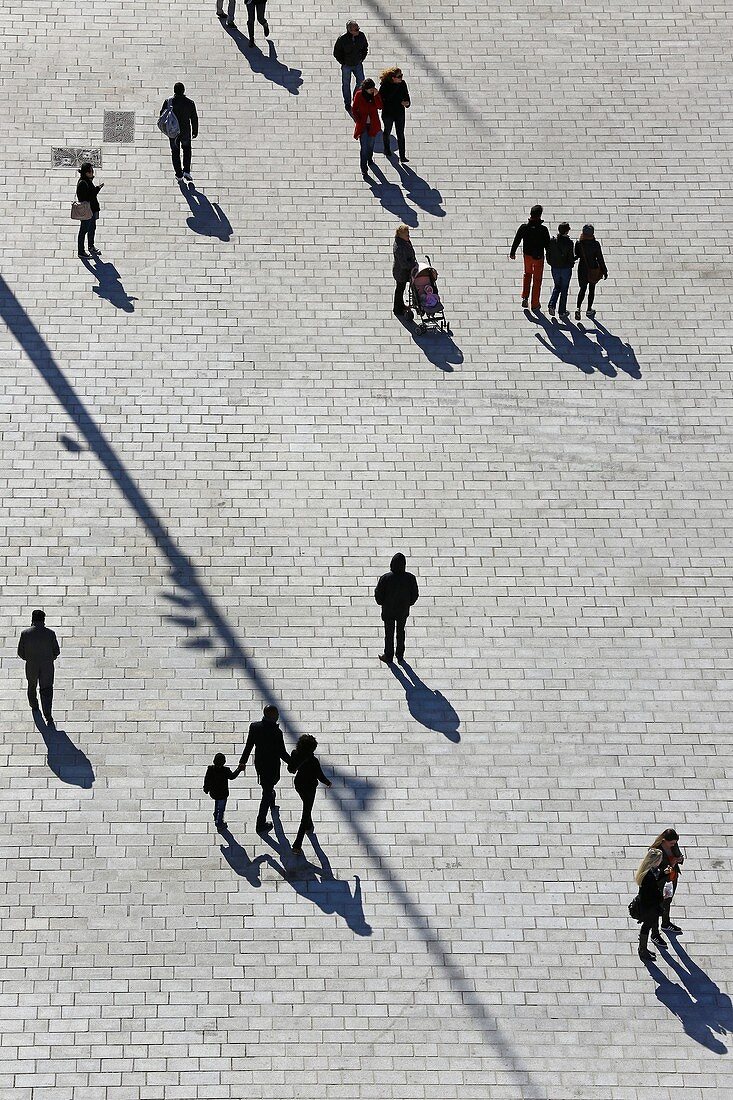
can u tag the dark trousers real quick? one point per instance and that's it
(399, 295)
(87, 230)
(306, 821)
(176, 146)
(591, 294)
(559, 296)
(647, 927)
(266, 803)
(258, 7)
(40, 677)
(390, 626)
(220, 805)
(399, 125)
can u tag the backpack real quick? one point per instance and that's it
(168, 123)
(560, 252)
(635, 908)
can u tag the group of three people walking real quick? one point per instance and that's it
(561, 254)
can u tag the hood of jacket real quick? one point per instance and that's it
(398, 564)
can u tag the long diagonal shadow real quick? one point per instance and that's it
(185, 574)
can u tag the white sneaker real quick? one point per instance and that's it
(187, 176)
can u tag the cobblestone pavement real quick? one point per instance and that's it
(211, 447)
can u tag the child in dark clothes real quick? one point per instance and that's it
(216, 784)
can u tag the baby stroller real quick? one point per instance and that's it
(424, 298)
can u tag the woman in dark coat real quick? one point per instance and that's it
(650, 881)
(670, 867)
(308, 775)
(87, 191)
(591, 268)
(395, 100)
(404, 261)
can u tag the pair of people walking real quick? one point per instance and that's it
(656, 876)
(266, 740)
(254, 8)
(392, 99)
(537, 244)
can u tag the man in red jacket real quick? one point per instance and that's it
(365, 109)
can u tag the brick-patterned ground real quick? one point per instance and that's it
(210, 454)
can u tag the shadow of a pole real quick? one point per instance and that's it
(185, 574)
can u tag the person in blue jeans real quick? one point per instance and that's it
(350, 50)
(560, 254)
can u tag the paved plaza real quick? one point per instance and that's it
(213, 442)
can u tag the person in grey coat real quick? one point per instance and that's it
(395, 593)
(39, 648)
(404, 261)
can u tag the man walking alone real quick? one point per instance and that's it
(266, 738)
(188, 122)
(535, 237)
(396, 592)
(39, 648)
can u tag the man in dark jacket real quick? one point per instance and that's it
(561, 257)
(535, 237)
(39, 649)
(396, 592)
(188, 122)
(266, 738)
(350, 50)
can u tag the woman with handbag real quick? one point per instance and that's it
(87, 210)
(591, 268)
(670, 867)
(648, 904)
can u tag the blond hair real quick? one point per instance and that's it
(389, 73)
(651, 860)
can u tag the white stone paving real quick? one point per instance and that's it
(206, 467)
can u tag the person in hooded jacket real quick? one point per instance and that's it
(188, 123)
(591, 268)
(39, 648)
(534, 237)
(365, 109)
(396, 592)
(561, 257)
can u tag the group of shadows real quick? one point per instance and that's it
(703, 1009)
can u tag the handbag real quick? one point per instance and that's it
(595, 274)
(635, 908)
(81, 211)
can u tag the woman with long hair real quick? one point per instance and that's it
(671, 865)
(87, 191)
(649, 880)
(308, 775)
(591, 268)
(395, 100)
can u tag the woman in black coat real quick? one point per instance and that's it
(87, 191)
(308, 775)
(395, 100)
(402, 265)
(591, 269)
(650, 881)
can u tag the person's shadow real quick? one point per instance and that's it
(420, 192)
(572, 344)
(267, 65)
(618, 353)
(109, 285)
(439, 348)
(426, 705)
(65, 759)
(207, 218)
(391, 197)
(318, 883)
(704, 1011)
(239, 861)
